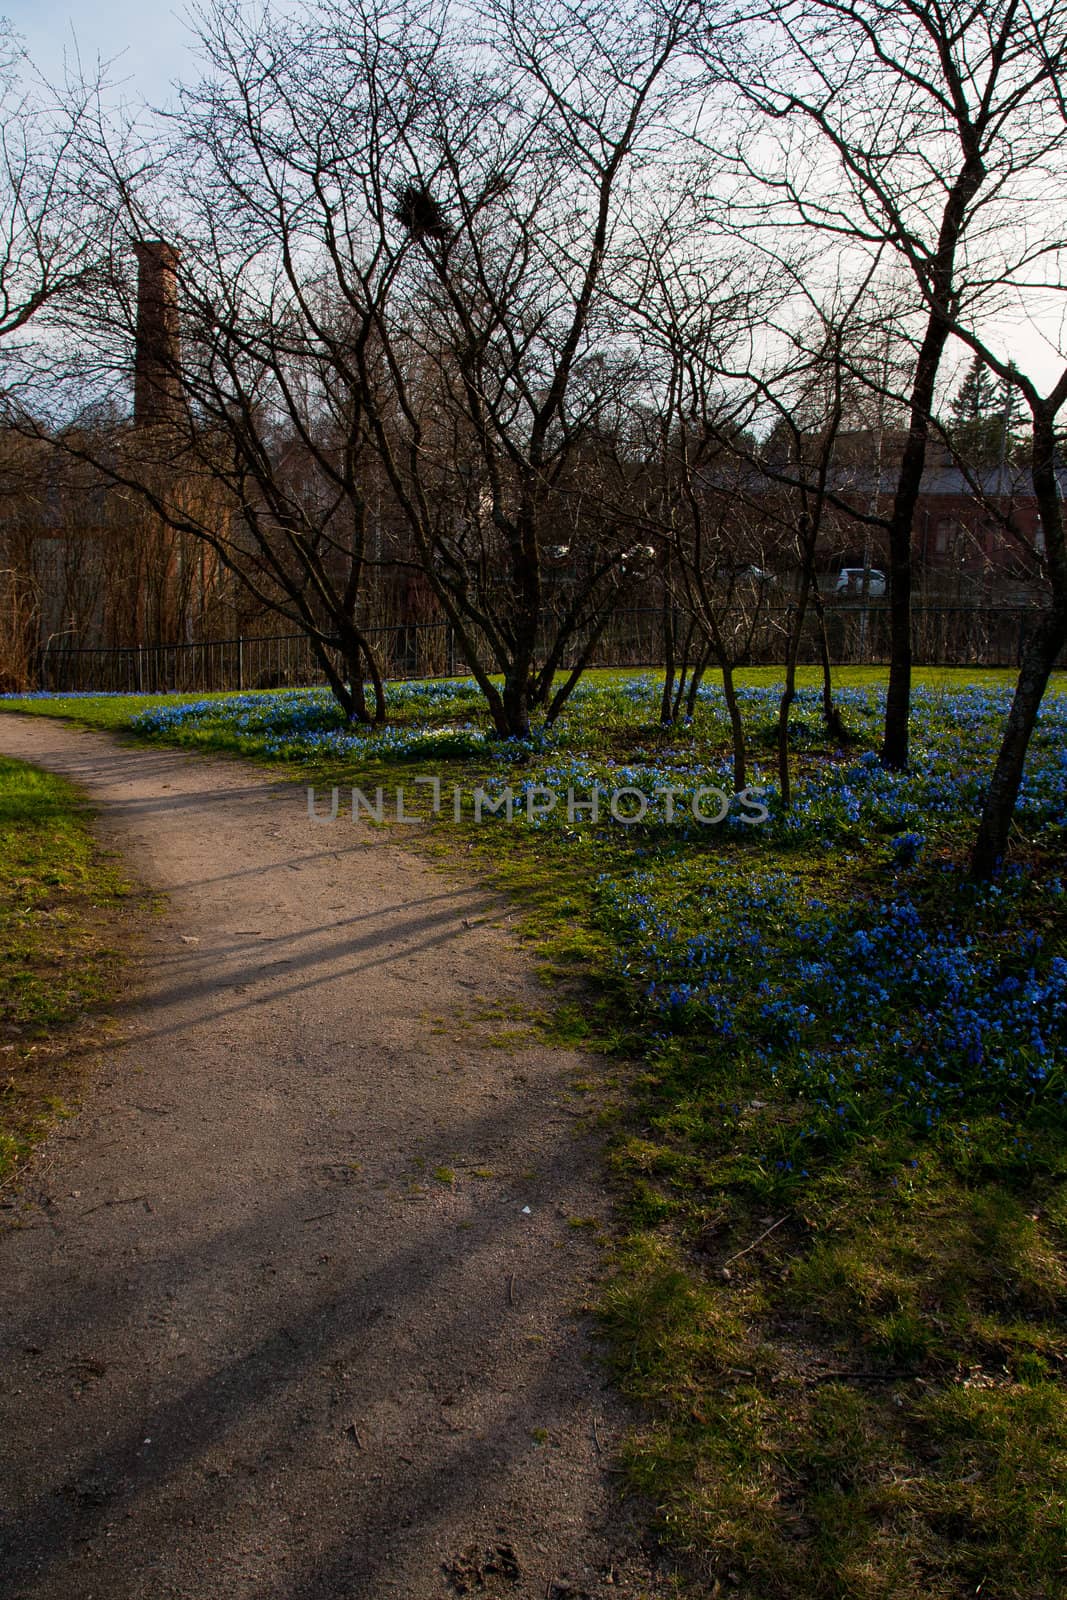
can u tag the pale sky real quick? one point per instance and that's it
(147, 43)
(145, 40)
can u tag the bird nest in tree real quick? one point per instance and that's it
(421, 214)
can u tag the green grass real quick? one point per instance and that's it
(847, 1342)
(115, 712)
(870, 1401)
(60, 899)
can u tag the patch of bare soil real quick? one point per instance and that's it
(291, 1309)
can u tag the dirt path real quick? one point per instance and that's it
(250, 1345)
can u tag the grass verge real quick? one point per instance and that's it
(60, 901)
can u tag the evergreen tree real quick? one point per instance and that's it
(1010, 408)
(977, 397)
(985, 418)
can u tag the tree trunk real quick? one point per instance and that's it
(573, 678)
(1039, 657)
(737, 727)
(349, 695)
(682, 672)
(376, 680)
(666, 716)
(830, 714)
(357, 699)
(789, 691)
(359, 661)
(699, 669)
(940, 289)
(909, 480)
(516, 703)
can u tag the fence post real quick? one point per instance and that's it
(240, 665)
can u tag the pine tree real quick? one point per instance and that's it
(977, 397)
(1009, 406)
(984, 432)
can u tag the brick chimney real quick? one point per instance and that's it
(157, 364)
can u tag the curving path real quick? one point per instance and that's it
(250, 1346)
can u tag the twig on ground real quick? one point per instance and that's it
(861, 1377)
(766, 1232)
(127, 1200)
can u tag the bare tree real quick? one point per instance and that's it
(756, 365)
(50, 245)
(394, 235)
(934, 125)
(49, 216)
(832, 399)
(518, 195)
(249, 430)
(1046, 639)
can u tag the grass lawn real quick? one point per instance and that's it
(59, 901)
(834, 1076)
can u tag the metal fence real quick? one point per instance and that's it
(941, 636)
(255, 662)
(857, 635)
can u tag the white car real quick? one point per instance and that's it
(850, 582)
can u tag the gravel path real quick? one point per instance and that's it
(250, 1344)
